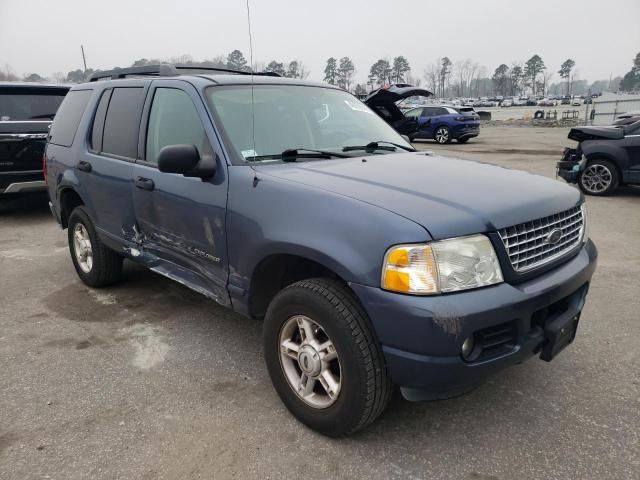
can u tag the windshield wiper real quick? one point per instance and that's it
(373, 146)
(291, 154)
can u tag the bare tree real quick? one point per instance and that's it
(547, 75)
(432, 76)
(58, 77)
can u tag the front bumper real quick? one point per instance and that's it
(571, 165)
(422, 337)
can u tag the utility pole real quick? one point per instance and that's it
(588, 99)
(84, 60)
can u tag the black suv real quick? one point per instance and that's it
(372, 264)
(26, 111)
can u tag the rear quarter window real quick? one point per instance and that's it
(122, 123)
(68, 117)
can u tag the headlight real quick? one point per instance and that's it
(585, 223)
(441, 266)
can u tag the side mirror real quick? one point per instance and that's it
(185, 160)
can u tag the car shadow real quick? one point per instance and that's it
(25, 206)
(628, 191)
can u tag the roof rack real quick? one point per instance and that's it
(166, 70)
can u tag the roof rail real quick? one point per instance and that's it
(165, 70)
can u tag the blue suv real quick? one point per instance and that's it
(443, 123)
(371, 265)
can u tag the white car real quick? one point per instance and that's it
(576, 102)
(507, 102)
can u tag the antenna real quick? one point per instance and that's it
(253, 110)
(84, 59)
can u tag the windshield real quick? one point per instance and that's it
(295, 117)
(19, 106)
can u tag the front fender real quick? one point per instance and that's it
(278, 216)
(609, 150)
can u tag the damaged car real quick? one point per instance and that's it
(605, 158)
(372, 265)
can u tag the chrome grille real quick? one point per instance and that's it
(528, 246)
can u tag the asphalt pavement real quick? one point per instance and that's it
(150, 380)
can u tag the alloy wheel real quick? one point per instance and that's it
(442, 135)
(596, 178)
(82, 248)
(310, 362)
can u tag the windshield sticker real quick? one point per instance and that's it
(358, 107)
(249, 153)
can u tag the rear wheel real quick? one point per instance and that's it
(600, 177)
(96, 265)
(323, 358)
(442, 135)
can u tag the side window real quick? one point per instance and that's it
(95, 143)
(428, 112)
(68, 117)
(415, 113)
(122, 122)
(440, 111)
(173, 120)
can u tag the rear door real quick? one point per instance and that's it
(105, 163)
(182, 219)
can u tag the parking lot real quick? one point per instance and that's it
(151, 380)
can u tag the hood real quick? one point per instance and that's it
(580, 134)
(449, 197)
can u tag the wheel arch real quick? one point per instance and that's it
(69, 199)
(278, 270)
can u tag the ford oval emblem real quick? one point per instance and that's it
(553, 237)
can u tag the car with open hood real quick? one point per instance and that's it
(371, 264)
(384, 101)
(605, 158)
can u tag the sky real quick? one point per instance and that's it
(45, 36)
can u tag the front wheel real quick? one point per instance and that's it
(323, 358)
(600, 177)
(96, 265)
(441, 135)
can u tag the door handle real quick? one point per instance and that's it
(144, 183)
(84, 166)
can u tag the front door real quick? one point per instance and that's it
(425, 129)
(181, 219)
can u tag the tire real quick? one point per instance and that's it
(442, 135)
(105, 265)
(599, 178)
(364, 388)
(463, 140)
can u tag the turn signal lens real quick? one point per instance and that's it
(410, 269)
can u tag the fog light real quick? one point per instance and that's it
(468, 348)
